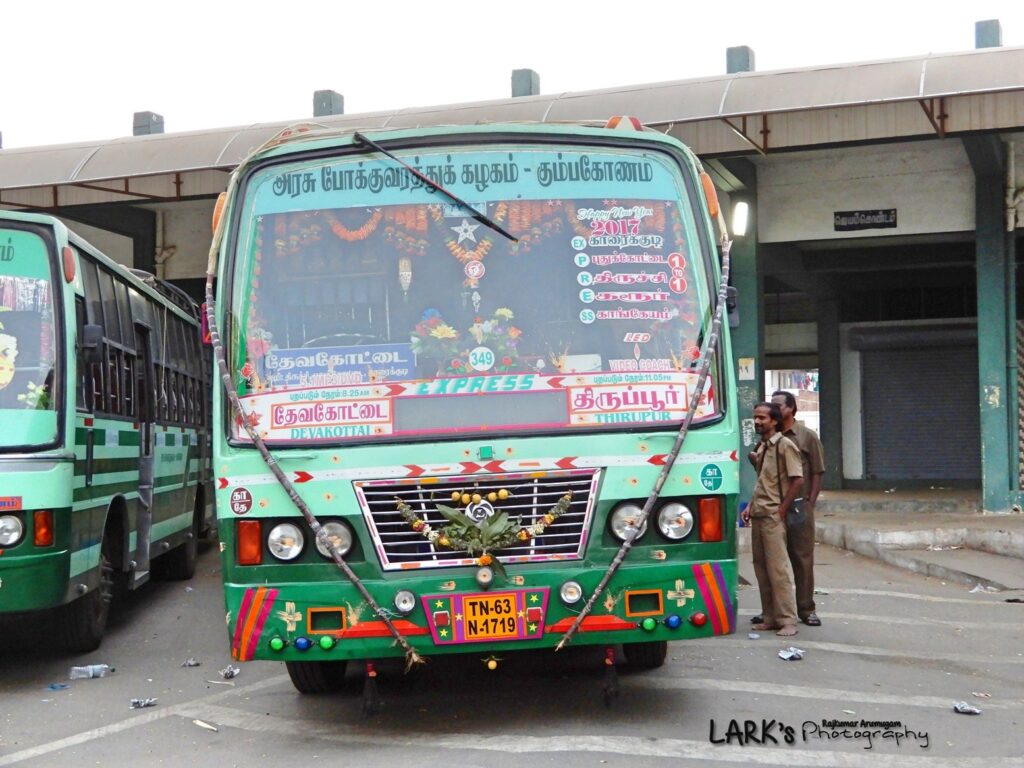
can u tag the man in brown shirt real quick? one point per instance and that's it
(800, 538)
(779, 480)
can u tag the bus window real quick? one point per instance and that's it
(111, 322)
(82, 385)
(128, 334)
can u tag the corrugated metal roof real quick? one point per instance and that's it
(991, 70)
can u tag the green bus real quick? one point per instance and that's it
(104, 448)
(468, 351)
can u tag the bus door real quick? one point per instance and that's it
(144, 397)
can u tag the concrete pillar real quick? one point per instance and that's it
(830, 388)
(988, 34)
(328, 103)
(525, 82)
(996, 314)
(739, 59)
(146, 123)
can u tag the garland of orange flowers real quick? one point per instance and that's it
(482, 248)
(412, 218)
(354, 235)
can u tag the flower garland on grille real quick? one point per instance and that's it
(464, 534)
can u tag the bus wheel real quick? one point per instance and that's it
(317, 676)
(180, 563)
(645, 655)
(85, 619)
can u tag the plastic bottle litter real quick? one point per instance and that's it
(792, 653)
(963, 708)
(90, 670)
(141, 703)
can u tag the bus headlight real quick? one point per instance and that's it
(675, 521)
(11, 530)
(340, 536)
(405, 601)
(285, 541)
(570, 592)
(624, 518)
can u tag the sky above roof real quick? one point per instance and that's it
(77, 71)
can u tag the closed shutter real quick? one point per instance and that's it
(921, 413)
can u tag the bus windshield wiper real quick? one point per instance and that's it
(483, 218)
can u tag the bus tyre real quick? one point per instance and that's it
(180, 563)
(85, 619)
(317, 676)
(645, 655)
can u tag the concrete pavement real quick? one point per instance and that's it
(938, 532)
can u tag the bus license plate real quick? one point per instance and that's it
(491, 617)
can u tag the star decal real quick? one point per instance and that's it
(534, 598)
(532, 628)
(439, 603)
(466, 231)
(458, 617)
(520, 614)
(442, 632)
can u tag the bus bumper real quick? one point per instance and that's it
(33, 582)
(325, 621)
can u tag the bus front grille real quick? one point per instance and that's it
(531, 496)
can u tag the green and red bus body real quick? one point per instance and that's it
(104, 452)
(387, 344)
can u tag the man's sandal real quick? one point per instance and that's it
(812, 620)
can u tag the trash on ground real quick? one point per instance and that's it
(206, 725)
(849, 712)
(891, 490)
(190, 662)
(753, 636)
(220, 682)
(821, 591)
(1014, 600)
(964, 708)
(229, 672)
(58, 686)
(792, 653)
(944, 547)
(188, 589)
(982, 588)
(981, 694)
(141, 703)
(90, 670)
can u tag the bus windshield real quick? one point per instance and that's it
(368, 305)
(27, 341)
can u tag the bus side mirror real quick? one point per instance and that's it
(92, 343)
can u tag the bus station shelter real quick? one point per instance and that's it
(887, 206)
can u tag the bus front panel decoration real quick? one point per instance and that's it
(104, 451)
(457, 363)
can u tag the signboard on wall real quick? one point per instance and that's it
(849, 221)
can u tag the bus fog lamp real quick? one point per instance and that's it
(624, 518)
(277, 644)
(673, 621)
(327, 642)
(649, 624)
(303, 643)
(405, 601)
(570, 592)
(484, 577)
(675, 521)
(340, 537)
(285, 541)
(11, 530)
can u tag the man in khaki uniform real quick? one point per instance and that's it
(779, 480)
(800, 538)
